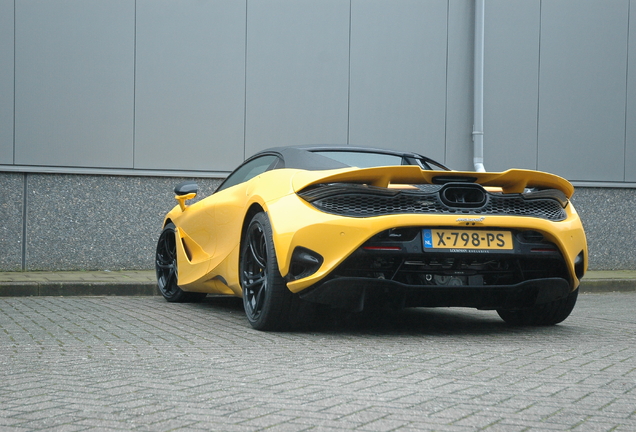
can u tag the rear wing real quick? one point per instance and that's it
(511, 181)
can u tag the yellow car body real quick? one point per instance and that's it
(210, 234)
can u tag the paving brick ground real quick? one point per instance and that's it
(139, 363)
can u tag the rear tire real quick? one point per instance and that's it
(166, 269)
(541, 315)
(266, 298)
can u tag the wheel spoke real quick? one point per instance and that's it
(165, 265)
(254, 285)
(164, 252)
(259, 260)
(257, 249)
(172, 276)
(251, 282)
(259, 298)
(171, 249)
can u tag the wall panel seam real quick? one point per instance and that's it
(629, 5)
(24, 219)
(349, 79)
(245, 85)
(134, 113)
(536, 159)
(446, 77)
(14, 75)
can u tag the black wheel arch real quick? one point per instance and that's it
(166, 222)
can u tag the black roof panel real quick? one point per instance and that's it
(305, 157)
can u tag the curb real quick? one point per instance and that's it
(607, 285)
(72, 288)
(597, 283)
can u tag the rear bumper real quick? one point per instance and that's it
(354, 293)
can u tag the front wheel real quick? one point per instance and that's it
(166, 268)
(266, 299)
(541, 315)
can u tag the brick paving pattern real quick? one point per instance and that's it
(139, 363)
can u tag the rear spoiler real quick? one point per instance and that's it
(511, 181)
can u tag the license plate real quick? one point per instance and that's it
(467, 239)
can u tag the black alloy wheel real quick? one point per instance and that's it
(266, 299)
(166, 268)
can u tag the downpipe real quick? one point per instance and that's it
(478, 80)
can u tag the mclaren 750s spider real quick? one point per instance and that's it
(345, 227)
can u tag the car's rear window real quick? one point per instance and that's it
(362, 159)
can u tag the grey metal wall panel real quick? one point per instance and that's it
(630, 136)
(190, 91)
(74, 82)
(297, 72)
(398, 74)
(6, 81)
(582, 89)
(511, 84)
(459, 84)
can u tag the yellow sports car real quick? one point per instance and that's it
(353, 228)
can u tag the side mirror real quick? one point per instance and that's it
(186, 188)
(184, 191)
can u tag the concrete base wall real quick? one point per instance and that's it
(609, 218)
(11, 216)
(94, 222)
(84, 222)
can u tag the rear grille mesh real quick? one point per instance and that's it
(370, 202)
